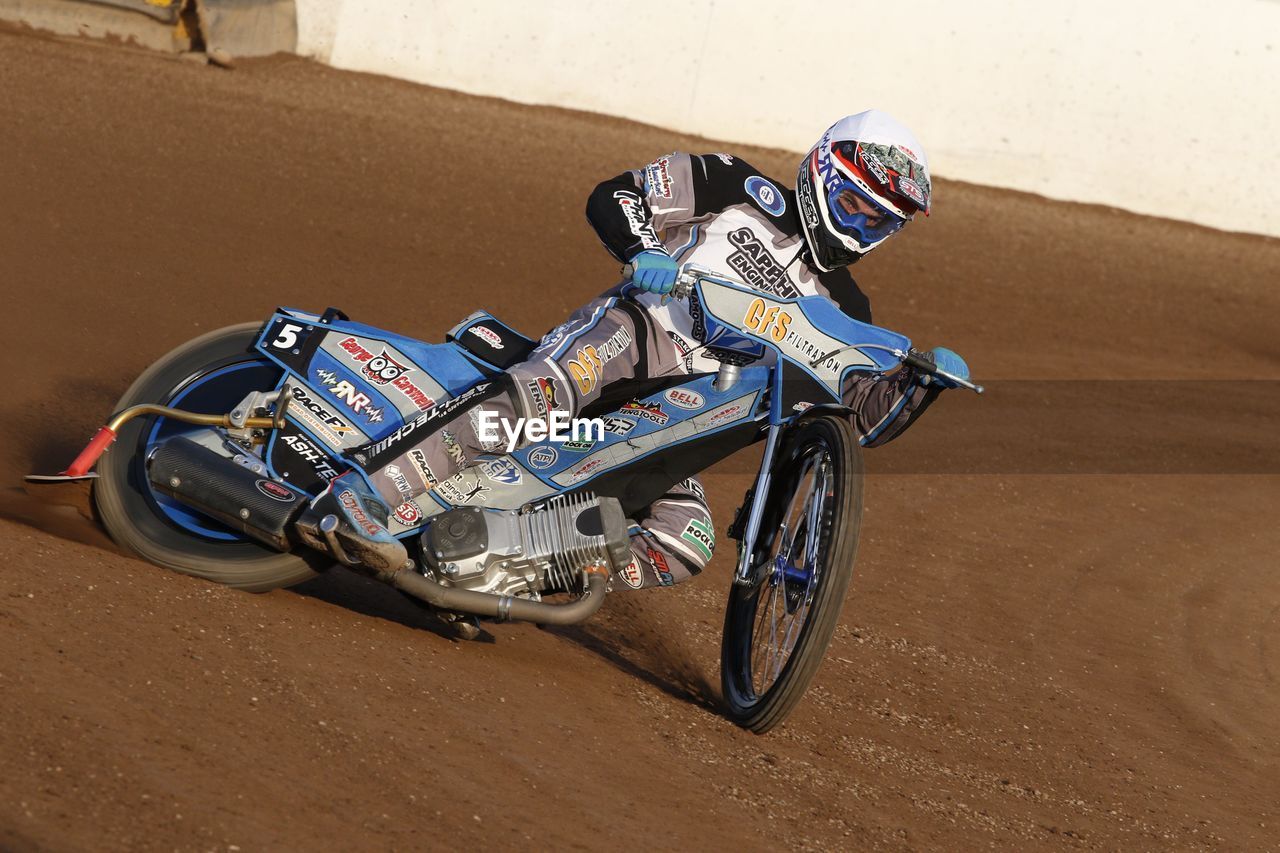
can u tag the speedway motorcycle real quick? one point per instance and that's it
(219, 446)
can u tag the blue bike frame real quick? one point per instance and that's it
(349, 385)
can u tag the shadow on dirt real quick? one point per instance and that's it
(629, 639)
(367, 597)
(61, 511)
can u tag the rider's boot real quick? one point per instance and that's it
(349, 522)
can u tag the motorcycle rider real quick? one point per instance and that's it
(865, 178)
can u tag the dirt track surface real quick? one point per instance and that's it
(1024, 661)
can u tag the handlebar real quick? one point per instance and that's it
(917, 361)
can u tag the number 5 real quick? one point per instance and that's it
(288, 336)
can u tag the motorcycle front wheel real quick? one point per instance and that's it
(210, 374)
(776, 629)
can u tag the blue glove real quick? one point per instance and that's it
(654, 271)
(945, 359)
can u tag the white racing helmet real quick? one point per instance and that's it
(864, 180)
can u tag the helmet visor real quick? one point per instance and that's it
(856, 214)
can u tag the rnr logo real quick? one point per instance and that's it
(354, 399)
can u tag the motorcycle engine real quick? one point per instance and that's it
(505, 552)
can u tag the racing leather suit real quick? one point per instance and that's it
(713, 210)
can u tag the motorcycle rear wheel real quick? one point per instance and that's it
(131, 512)
(776, 631)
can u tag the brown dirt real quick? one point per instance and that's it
(1045, 660)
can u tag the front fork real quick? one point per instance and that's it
(744, 575)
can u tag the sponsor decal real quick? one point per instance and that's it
(416, 395)
(379, 369)
(682, 346)
(577, 446)
(731, 356)
(586, 468)
(657, 177)
(616, 425)
(728, 413)
(699, 534)
(633, 210)
(724, 158)
(357, 401)
(812, 351)
(326, 424)
(455, 492)
(437, 413)
(587, 365)
(804, 192)
(801, 407)
(768, 195)
(873, 164)
(398, 479)
(275, 491)
(452, 448)
(911, 190)
(419, 460)
(822, 158)
(384, 370)
(698, 317)
(767, 321)
(631, 575)
(303, 446)
(357, 514)
(503, 471)
(477, 416)
(543, 457)
(756, 266)
(661, 567)
(692, 486)
(327, 377)
(408, 513)
(685, 399)
(557, 334)
(651, 412)
(489, 336)
(543, 392)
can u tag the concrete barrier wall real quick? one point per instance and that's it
(1167, 107)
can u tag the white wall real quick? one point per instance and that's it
(1169, 107)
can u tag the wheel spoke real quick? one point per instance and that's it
(793, 558)
(778, 627)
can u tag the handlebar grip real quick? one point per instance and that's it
(927, 367)
(919, 362)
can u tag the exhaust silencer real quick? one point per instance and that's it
(225, 490)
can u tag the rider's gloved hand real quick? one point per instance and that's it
(951, 362)
(654, 271)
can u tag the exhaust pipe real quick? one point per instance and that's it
(505, 607)
(221, 488)
(266, 510)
